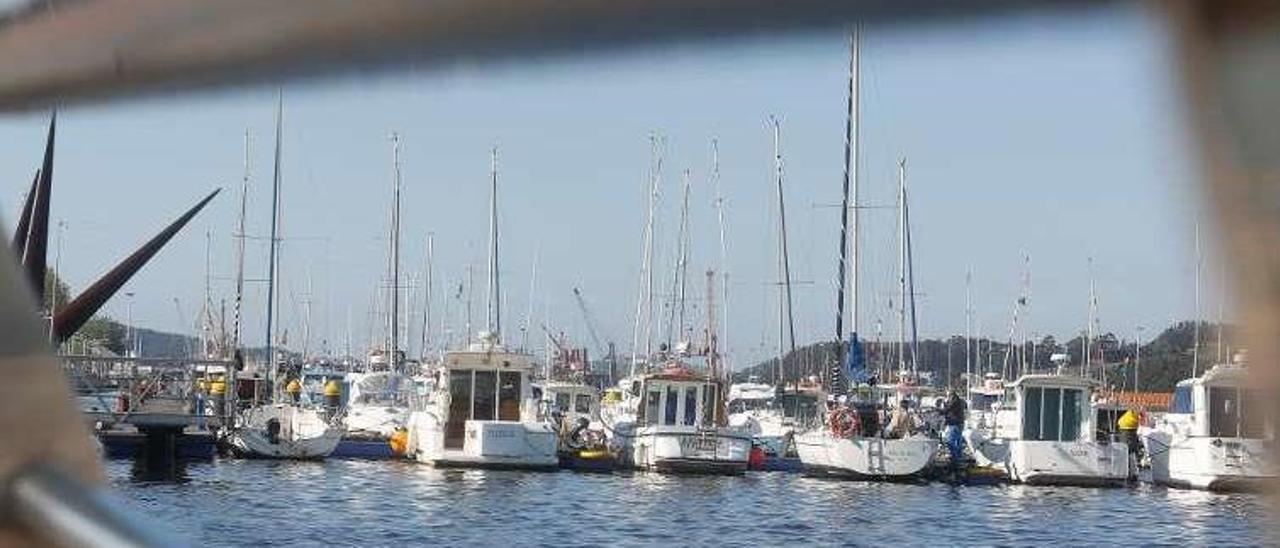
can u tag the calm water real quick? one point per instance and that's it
(398, 503)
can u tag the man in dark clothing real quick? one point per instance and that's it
(954, 413)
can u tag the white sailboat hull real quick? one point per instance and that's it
(375, 421)
(865, 458)
(1202, 462)
(684, 449)
(484, 444)
(302, 434)
(1068, 463)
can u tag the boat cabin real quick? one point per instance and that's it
(1053, 407)
(678, 396)
(1222, 404)
(484, 383)
(571, 399)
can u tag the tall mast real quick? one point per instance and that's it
(426, 300)
(306, 323)
(239, 235)
(393, 267)
(1088, 333)
(724, 267)
(493, 316)
(846, 273)
(676, 327)
(902, 266)
(968, 333)
(528, 314)
(911, 270)
(644, 301)
(1195, 347)
(786, 326)
(274, 243)
(713, 356)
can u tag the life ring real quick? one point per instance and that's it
(844, 423)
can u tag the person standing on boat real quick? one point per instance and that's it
(953, 415)
(901, 424)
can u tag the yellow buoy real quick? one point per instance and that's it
(332, 388)
(399, 441)
(593, 454)
(294, 387)
(612, 395)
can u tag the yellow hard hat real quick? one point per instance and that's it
(1128, 421)
(293, 386)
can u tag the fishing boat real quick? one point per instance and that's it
(1048, 429)
(673, 420)
(478, 409)
(573, 409)
(280, 428)
(1216, 435)
(850, 441)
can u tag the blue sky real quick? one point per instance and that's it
(1061, 138)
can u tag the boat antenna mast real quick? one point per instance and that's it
(724, 267)
(786, 323)
(393, 259)
(846, 272)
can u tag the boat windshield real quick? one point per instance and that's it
(799, 406)
(750, 404)
(1052, 414)
(1236, 413)
(983, 402)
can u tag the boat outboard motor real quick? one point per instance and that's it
(273, 431)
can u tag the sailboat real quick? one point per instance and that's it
(848, 443)
(378, 402)
(281, 429)
(480, 412)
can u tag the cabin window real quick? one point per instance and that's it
(652, 406)
(691, 406)
(1235, 413)
(1072, 411)
(1182, 402)
(672, 403)
(486, 392)
(709, 405)
(582, 404)
(459, 408)
(562, 402)
(1031, 413)
(509, 390)
(1052, 414)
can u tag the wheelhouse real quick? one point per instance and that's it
(1223, 404)
(680, 398)
(483, 385)
(1053, 408)
(571, 399)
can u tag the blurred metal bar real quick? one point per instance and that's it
(82, 49)
(57, 510)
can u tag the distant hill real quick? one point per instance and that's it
(1165, 359)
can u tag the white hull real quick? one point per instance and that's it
(683, 449)
(765, 427)
(302, 434)
(866, 458)
(484, 444)
(376, 421)
(1215, 464)
(1068, 463)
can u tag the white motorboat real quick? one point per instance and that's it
(284, 431)
(1216, 435)
(674, 421)
(1044, 434)
(754, 409)
(481, 412)
(990, 448)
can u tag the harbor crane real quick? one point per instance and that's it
(610, 353)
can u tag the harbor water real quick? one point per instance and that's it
(381, 503)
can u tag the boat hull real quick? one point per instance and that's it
(866, 458)
(685, 450)
(485, 444)
(1068, 463)
(299, 434)
(1213, 464)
